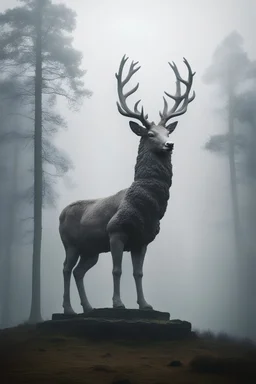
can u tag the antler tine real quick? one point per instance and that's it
(122, 105)
(191, 75)
(178, 97)
(165, 110)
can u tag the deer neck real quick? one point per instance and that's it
(153, 174)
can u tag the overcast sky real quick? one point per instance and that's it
(189, 264)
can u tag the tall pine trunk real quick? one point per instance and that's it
(249, 257)
(233, 178)
(243, 310)
(235, 207)
(35, 313)
(6, 262)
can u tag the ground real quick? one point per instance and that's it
(29, 356)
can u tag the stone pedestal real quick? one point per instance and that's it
(117, 314)
(125, 324)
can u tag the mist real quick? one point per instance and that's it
(190, 268)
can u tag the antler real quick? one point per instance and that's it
(178, 97)
(122, 107)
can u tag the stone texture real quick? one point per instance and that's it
(122, 324)
(118, 314)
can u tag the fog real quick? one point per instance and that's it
(190, 268)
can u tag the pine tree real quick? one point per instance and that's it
(230, 68)
(36, 47)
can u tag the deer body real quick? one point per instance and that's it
(83, 224)
(130, 219)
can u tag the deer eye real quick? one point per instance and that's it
(151, 134)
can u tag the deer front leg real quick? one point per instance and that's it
(137, 262)
(117, 248)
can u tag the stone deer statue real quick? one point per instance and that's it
(130, 219)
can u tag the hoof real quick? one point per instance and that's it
(86, 310)
(119, 306)
(69, 311)
(146, 307)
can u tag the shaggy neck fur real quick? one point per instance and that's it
(146, 199)
(153, 176)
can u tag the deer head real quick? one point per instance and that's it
(156, 135)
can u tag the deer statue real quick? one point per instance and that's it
(130, 219)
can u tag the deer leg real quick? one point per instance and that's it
(85, 263)
(137, 262)
(117, 248)
(69, 263)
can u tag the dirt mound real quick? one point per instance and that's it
(30, 356)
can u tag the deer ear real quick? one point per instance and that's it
(138, 129)
(172, 126)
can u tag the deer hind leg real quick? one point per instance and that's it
(85, 263)
(117, 242)
(137, 262)
(71, 259)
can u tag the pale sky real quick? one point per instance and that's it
(189, 264)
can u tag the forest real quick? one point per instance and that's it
(43, 76)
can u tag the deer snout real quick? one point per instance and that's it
(169, 145)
